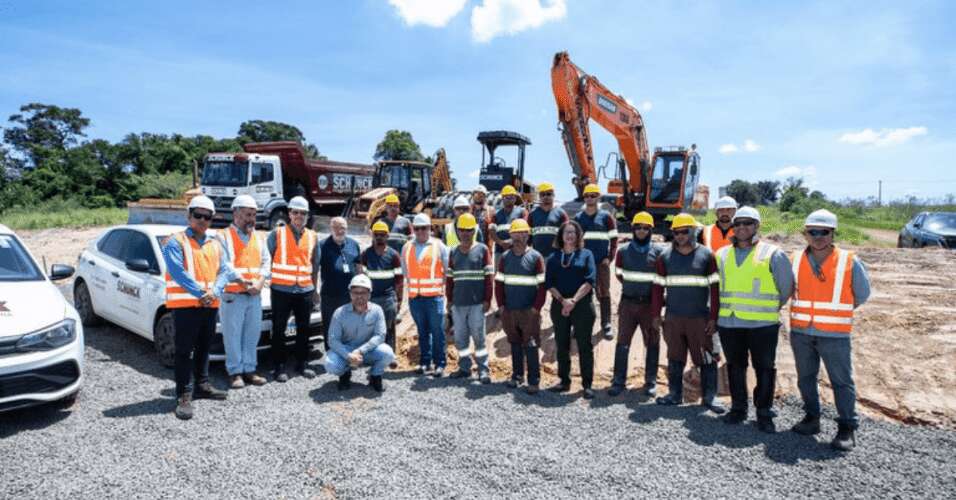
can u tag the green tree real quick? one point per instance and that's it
(768, 192)
(269, 131)
(42, 130)
(398, 145)
(744, 192)
(793, 192)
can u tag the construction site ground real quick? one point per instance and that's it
(904, 339)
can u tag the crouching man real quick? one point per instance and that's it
(357, 337)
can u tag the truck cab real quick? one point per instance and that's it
(227, 175)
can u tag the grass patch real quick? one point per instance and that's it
(775, 222)
(58, 213)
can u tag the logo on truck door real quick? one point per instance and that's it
(342, 183)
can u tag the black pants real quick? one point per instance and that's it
(195, 327)
(329, 304)
(578, 325)
(299, 304)
(760, 346)
(390, 308)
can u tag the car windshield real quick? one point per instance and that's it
(666, 179)
(939, 222)
(15, 262)
(225, 173)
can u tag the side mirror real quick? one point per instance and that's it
(916, 225)
(61, 271)
(138, 265)
(693, 169)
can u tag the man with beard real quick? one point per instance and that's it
(399, 229)
(545, 220)
(468, 287)
(339, 261)
(717, 235)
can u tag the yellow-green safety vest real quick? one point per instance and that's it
(748, 291)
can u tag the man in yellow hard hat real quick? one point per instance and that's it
(600, 237)
(545, 220)
(399, 228)
(688, 284)
(498, 229)
(383, 265)
(468, 287)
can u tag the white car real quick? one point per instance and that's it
(41, 338)
(121, 278)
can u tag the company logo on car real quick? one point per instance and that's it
(127, 289)
(4, 310)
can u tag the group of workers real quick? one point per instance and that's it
(714, 293)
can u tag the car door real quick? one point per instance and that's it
(134, 289)
(916, 231)
(109, 263)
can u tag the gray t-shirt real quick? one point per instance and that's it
(350, 330)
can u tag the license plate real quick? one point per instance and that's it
(290, 329)
(217, 191)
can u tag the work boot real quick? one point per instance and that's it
(605, 303)
(532, 389)
(254, 378)
(393, 365)
(809, 426)
(376, 382)
(765, 424)
(734, 417)
(587, 393)
(421, 370)
(439, 372)
(345, 381)
(560, 387)
(675, 382)
(236, 382)
(844, 439)
(460, 374)
(737, 382)
(619, 383)
(514, 383)
(534, 367)
(651, 357)
(304, 370)
(184, 407)
(205, 390)
(764, 391)
(708, 387)
(279, 373)
(517, 361)
(484, 379)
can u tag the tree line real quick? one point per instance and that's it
(790, 196)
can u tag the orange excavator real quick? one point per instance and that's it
(664, 184)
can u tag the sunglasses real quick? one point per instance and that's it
(642, 228)
(818, 233)
(466, 230)
(744, 223)
(681, 231)
(199, 216)
(546, 194)
(592, 196)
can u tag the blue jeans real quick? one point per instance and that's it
(429, 316)
(836, 354)
(241, 318)
(377, 358)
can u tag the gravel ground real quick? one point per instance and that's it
(425, 437)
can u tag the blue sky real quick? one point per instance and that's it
(842, 93)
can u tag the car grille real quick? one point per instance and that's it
(8, 345)
(47, 379)
(223, 203)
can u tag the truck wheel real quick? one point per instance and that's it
(277, 216)
(84, 305)
(164, 338)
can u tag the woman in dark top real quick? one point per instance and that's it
(569, 278)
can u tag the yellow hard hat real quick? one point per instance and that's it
(683, 220)
(380, 227)
(466, 221)
(592, 188)
(519, 226)
(509, 190)
(392, 198)
(643, 218)
(545, 187)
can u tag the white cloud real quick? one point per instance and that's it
(728, 149)
(750, 146)
(474, 173)
(647, 106)
(885, 137)
(434, 13)
(808, 172)
(506, 17)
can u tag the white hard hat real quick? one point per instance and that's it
(481, 189)
(725, 202)
(746, 212)
(461, 202)
(822, 218)
(299, 203)
(244, 201)
(202, 201)
(362, 281)
(422, 220)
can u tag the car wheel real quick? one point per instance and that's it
(277, 216)
(84, 305)
(164, 338)
(899, 242)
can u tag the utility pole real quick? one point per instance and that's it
(879, 194)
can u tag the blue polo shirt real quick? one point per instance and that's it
(337, 265)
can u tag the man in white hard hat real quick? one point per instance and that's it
(357, 337)
(756, 280)
(241, 309)
(830, 283)
(425, 266)
(295, 266)
(196, 274)
(717, 235)
(449, 231)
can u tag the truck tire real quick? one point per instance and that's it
(83, 303)
(278, 215)
(164, 338)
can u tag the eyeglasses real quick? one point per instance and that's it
(681, 231)
(199, 216)
(818, 233)
(744, 223)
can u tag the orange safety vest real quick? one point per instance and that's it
(714, 239)
(246, 258)
(292, 262)
(200, 263)
(426, 276)
(824, 302)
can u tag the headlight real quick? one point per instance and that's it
(51, 337)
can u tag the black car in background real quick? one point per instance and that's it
(929, 229)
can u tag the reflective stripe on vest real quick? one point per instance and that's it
(748, 291)
(426, 277)
(520, 280)
(553, 230)
(600, 235)
(637, 276)
(714, 239)
(383, 274)
(246, 257)
(293, 264)
(823, 302)
(201, 264)
(469, 275)
(690, 281)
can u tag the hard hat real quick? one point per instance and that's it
(545, 187)
(519, 226)
(422, 220)
(392, 199)
(592, 188)
(244, 201)
(466, 221)
(481, 189)
(509, 190)
(746, 212)
(361, 280)
(461, 202)
(683, 220)
(643, 218)
(202, 201)
(380, 227)
(725, 202)
(822, 218)
(299, 203)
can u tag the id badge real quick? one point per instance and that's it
(345, 268)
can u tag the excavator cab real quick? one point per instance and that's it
(496, 173)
